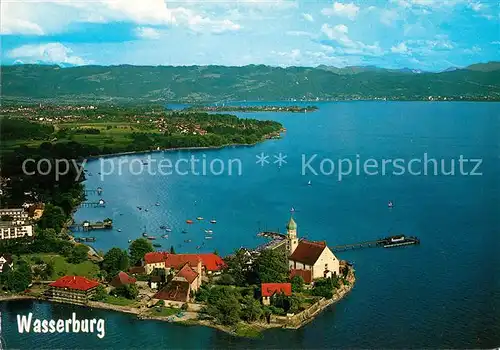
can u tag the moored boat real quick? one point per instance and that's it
(151, 238)
(199, 218)
(164, 236)
(156, 245)
(189, 221)
(168, 229)
(213, 221)
(208, 237)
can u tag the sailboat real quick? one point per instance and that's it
(309, 183)
(390, 204)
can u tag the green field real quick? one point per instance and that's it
(63, 268)
(121, 301)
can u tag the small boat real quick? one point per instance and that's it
(144, 234)
(213, 221)
(140, 208)
(209, 231)
(168, 229)
(187, 241)
(184, 231)
(119, 230)
(309, 183)
(146, 210)
(130, 241)
(157, 245)
(90, 239)
(208, 237)
(157, 204)
(199, 218)
(198, 247)
(151, 238)
(390, 204)
(189, 221)
(164, 236)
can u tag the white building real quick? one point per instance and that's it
(308, 259)
(11, 230)
(18, 214)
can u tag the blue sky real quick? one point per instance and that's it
(425, 34)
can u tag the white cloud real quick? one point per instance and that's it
(298, 33)
(147, 33)
(339, 34)
(400, 48)
(54, 53)
(52, 16)
(343, 10)
(388, 17)
(308, 17)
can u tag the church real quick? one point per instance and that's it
(309, 259)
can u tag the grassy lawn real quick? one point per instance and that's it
(163, 311)
(247, 331)
(63, 268)
(121, 301)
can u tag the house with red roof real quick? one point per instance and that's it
(122, 279)
(210, 262)
(182, 286)
(269, 289)
(309, 259)
(73, 289)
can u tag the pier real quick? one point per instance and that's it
(97, 191)
(277, 239)
(106, 224)
(100, 204)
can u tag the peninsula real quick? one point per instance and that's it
(238, 108)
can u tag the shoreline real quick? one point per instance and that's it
(192, 317)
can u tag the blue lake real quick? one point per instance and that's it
(444, 293)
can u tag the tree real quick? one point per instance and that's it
(78, 254)
(138, 249)
(237, 270)
(20, 278)
(223, 305)
(251, 310)
(100, 293)
(172, 250)
(53, 217)
(271, 266)
(129, 291)
(115, 260)
(297, 284)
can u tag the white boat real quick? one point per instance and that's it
(213, 221)
(309, 183)
(208, 237)
(157, 204)
(209, 231)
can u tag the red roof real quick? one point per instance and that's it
(74, 282)
(305, 274)
(211, 261)
(269, 289)
(174, 290)
(188, 273)
(121, 279)
(155, 257)
(308, 252)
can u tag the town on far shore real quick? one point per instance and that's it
(283, 283)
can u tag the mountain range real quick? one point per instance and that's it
(253, 82)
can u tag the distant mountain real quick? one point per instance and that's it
(485, 67)
(451, 69)
(253, 82)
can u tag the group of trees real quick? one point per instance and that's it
(17, 279)
(241, 270)
(116, 259)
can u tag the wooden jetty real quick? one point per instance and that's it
(278, 239)
(99, 204)
(97, 191)
(106, 224)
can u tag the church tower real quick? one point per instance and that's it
(293, 240)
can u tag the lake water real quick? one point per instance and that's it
(444, 293)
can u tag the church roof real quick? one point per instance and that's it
(308, 252)
(292, 225)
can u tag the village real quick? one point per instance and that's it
(282, 284)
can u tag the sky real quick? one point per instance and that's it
(430, 35)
